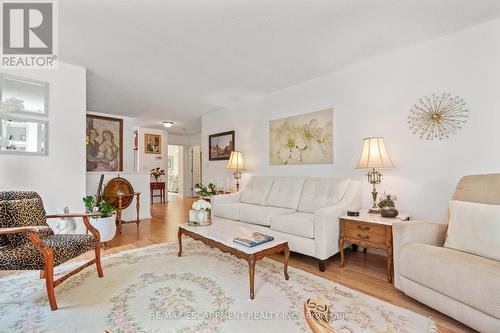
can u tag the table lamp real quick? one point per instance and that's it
(374, 155)
(236, 163)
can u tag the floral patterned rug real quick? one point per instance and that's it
(152, 290)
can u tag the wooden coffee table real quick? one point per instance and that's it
(220, 235)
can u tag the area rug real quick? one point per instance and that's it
(152, 290)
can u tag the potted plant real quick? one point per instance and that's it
(205, 191)
(387, 206)
(105, 223)
(157, 173)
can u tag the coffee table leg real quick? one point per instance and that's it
(287, 256)
(251, 271)
(179, 237)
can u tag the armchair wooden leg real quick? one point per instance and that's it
(42, 275)
(98, 260)
(48, 273)
(49, 280)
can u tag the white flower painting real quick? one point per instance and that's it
(303, 139)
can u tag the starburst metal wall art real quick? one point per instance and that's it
(437, 116)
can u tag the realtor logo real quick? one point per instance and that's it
(28, 34)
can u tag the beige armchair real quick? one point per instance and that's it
(461, 285)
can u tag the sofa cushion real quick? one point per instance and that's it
(285, 192)
(229, 210)
(474, 228)
(299, 224)
(465, 277)
(260, 215)
(257, 190)
(321, 192)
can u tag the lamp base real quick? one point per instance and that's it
(374, 211)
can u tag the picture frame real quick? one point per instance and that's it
(220, 146)
(152, 144)
(104, 143)
(302, 139)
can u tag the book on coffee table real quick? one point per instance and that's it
(252, 239)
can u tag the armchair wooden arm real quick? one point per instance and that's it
(61, 216)
(85, 217)
(18, 230)
(32, 232)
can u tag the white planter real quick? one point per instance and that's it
(106, 227)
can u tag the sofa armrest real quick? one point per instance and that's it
(414, 232)
(326, 231)
(226, 198)
(223, 199)
(327, 225)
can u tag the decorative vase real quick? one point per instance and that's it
(106, 227)
(199, 218)
(390, 212)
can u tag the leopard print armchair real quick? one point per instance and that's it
(28, 243)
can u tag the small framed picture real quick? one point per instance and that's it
(220, 146)
(170, 163)
(152, 144)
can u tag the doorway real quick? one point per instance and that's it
(195, 168)
(175, 166)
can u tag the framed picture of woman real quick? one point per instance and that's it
(152, 144)
(104, 143)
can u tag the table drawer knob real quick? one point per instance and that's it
(363, 237)
(360, 227)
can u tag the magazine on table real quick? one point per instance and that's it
(252, 239)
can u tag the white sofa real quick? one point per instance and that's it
(303, 210)
(460, 284)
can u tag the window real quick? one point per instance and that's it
(23, 116)
(23, 136)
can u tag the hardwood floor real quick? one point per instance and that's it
(362, 272)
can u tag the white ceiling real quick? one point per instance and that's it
(178, 59)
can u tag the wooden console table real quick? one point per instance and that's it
(369, 231)
(160, 186)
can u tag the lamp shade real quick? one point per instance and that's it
(236, 161)
(374, 155)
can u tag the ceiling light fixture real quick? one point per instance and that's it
(168, 124)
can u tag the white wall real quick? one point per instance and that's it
(128, 138)
(184, 140)
(59, 177)
(373, 98)
(146, 162)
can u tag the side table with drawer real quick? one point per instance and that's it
(369, 231)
